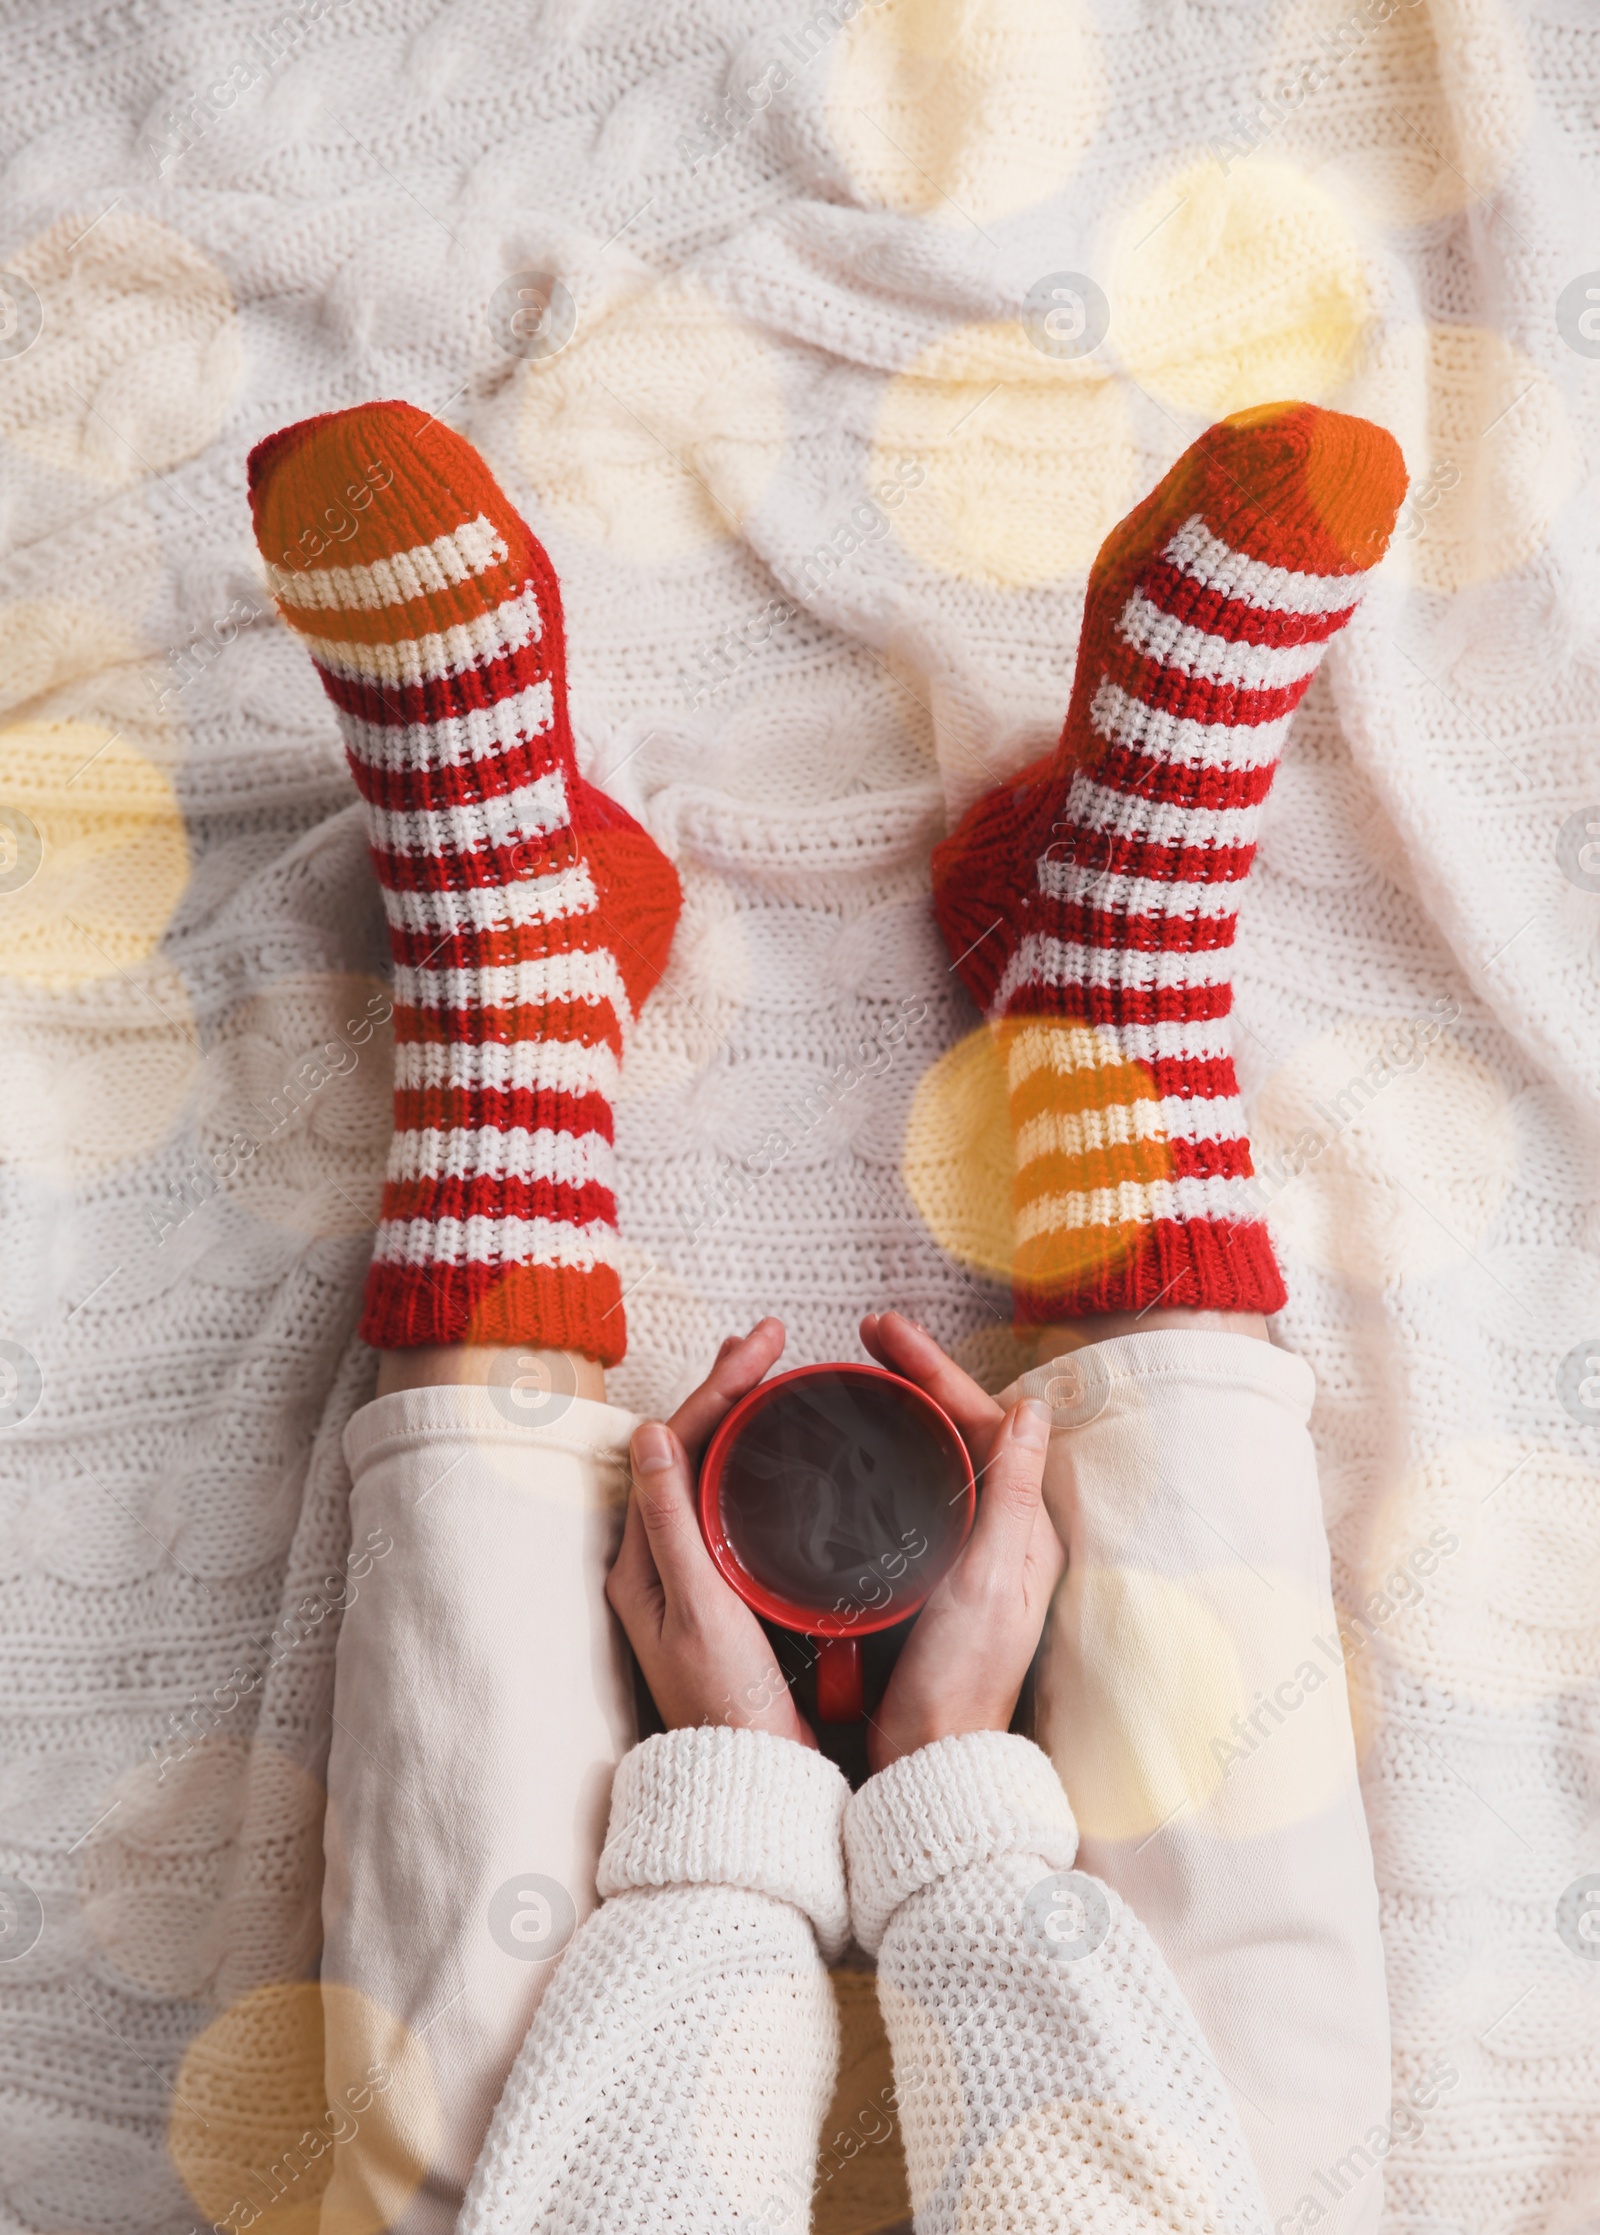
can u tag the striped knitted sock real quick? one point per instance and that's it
(528, 914)
(1091, 904)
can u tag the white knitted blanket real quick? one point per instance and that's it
(872, 317)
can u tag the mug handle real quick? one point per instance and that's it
(840, 1698)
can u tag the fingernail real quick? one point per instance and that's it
(652, 1448)
(1033, 1424)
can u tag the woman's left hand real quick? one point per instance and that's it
(704, 1655)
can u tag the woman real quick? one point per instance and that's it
(1044, 2068)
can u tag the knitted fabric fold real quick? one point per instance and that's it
(733, 1808)
(960, 1801)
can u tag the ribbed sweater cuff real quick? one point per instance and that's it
(959, 1801)
(711, 1807)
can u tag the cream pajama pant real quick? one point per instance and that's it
(1189, 1689)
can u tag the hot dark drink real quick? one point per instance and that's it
(845, 1494)
(832, 1500)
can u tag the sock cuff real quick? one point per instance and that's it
(556, 1307)
(1194, 1264)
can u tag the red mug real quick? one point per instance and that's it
(833, 1499)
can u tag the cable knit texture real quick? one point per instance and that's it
(956, 1803)
(823, 511)
(677, 2070)
(735, 1807)
(1050, 2075)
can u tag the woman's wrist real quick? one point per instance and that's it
(721, 1806)
(958, 1801)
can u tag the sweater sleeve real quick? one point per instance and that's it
(1049, 2072)
(677, 2070)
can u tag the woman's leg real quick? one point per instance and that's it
(480, 1702)
(481, 1705)
(1091, 905)
(530, 1374)
(1191, 1683)
(529, 916)
(1191, 1692)
(1061, 1340)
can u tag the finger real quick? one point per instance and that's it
(1047, 1557)
(1010, 1499)
(905, 1348)
(632, 1585)
(663, 1494)
(742, 1361)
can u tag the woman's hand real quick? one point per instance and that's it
(704, 1655)
(962, 1666)
(908, 1350)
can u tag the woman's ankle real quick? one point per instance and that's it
(1065, 1336)
(473, 1366)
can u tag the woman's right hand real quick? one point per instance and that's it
(703, 1654)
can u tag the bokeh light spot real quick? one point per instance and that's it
(657, 430)
(966, 109)
(115, 854)
(1238, 287)
(957, 1162)
(1137, 1747)
(253, 2128)
(1026, 460)
(139, 355)
(1490, 448)
(1481, 1571)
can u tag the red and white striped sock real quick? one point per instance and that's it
(1090, 905)
(528, 914)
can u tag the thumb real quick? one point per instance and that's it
(664, 1496)
(1011, 1497)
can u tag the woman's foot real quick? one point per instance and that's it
(1091, 904)
(528, 914)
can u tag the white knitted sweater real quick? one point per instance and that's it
(823, 509)
(1048, 2073)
